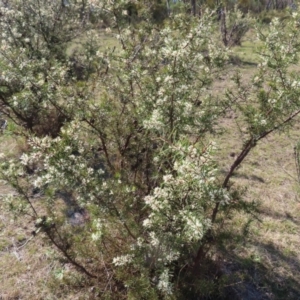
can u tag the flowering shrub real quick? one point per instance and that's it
(134, 156)
(36, 73)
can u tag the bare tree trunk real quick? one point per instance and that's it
(223, 26)
(268, 5)
(193, 4)
(168, 7)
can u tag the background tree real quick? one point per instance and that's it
(36, 72)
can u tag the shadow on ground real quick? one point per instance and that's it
(266, 273)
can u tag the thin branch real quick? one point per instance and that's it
(67, 255)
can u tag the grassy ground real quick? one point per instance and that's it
(261, 254)
(30, 268)
(25, 268)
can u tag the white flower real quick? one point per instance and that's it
(147, 223)
(154, 240)
(96, 236)
(167, 178)
(164, 282)
(24, 159)
(168, 79)
(122, 260)
(263, 122)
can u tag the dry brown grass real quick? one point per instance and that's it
(261, 253)
(268, 256)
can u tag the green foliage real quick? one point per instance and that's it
(267, 16)
(36, 73)
(255, 6)
(129, 187)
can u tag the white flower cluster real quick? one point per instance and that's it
(164, 283)
(98, 230)
(123, 260)
(179, 204)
